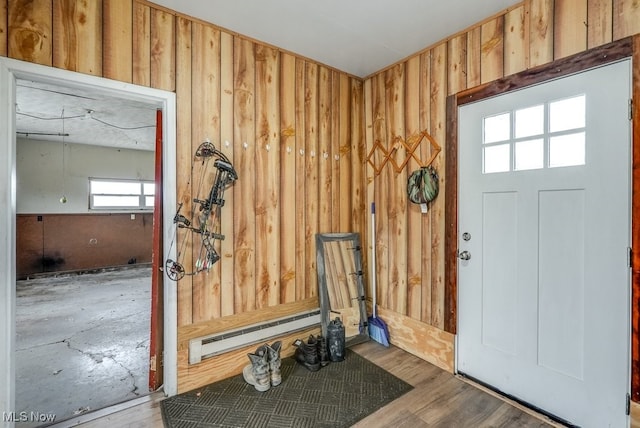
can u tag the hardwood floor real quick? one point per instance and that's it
(438, 399)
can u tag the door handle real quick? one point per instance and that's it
(464, 255)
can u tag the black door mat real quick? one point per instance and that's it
(338, 395)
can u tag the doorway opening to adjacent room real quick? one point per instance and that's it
(160, 306)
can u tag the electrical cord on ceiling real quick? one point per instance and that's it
(90, 117)
(48, 118)
(122, 127)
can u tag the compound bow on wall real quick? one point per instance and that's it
(208, 215)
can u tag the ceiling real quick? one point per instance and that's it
(359, 37)
(85, 116)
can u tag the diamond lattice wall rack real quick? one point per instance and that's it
(411, 145)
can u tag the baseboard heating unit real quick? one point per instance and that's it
(205, 347)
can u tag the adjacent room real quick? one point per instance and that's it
(411, 213)
(84, 216)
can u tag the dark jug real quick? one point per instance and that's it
(336, 340)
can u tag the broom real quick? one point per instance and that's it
(378, 330)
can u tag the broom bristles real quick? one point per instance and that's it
(378, 331)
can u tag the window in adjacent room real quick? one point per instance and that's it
(111, 194)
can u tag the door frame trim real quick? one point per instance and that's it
(628, 47)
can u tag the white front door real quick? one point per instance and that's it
(544, 220)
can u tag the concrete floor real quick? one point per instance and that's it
(82, 342)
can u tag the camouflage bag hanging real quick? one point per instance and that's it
(423, 185)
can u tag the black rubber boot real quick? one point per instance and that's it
(323, 352)
(307, 353)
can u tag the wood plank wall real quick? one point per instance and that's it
(410, 97)
(291, 126)
(319, 125)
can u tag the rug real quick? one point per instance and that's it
(338, 395)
